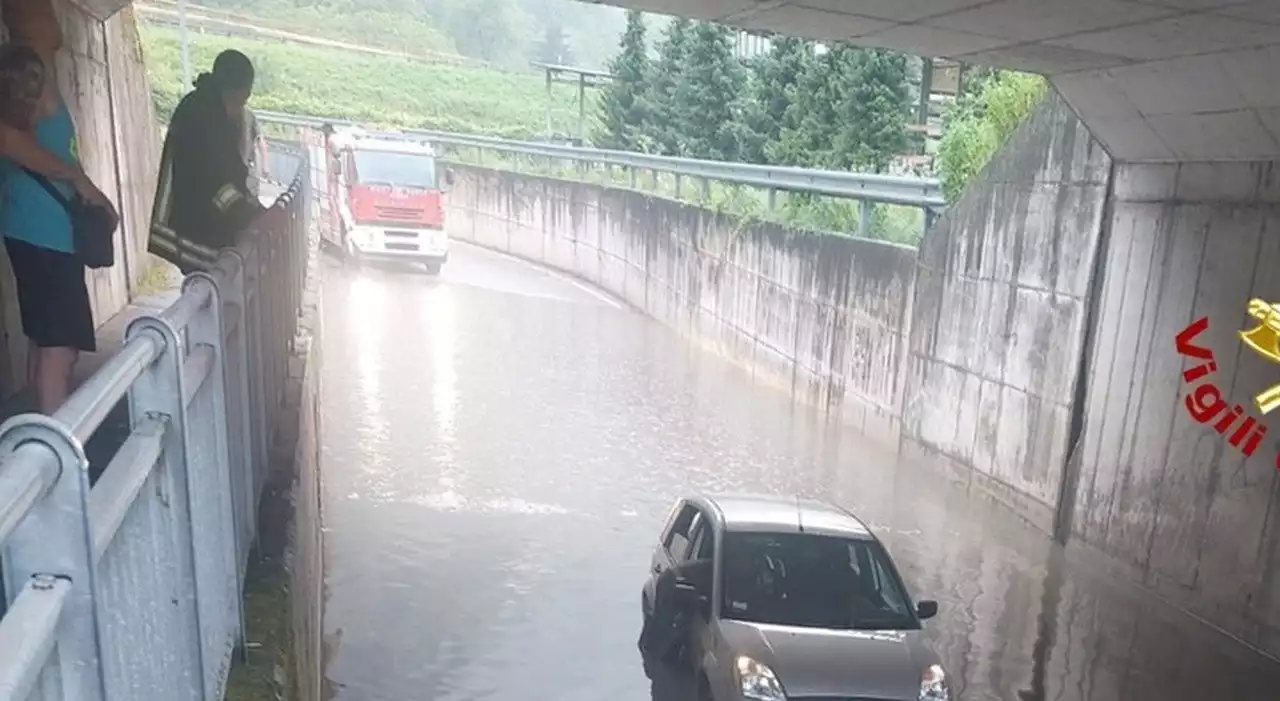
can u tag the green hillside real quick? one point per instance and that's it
(382, 89)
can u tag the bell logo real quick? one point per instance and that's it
(1264, 339)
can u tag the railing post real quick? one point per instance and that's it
(235, 334)
(53, 540)
(864, 218)
(213, 466)
(256, 369)
(159, 393)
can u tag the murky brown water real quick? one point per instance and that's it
(500, 446)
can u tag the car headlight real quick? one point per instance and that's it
(758, 682)
(933, 684)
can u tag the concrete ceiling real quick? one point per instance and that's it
(1155, 80)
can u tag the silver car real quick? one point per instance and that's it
(805, 603)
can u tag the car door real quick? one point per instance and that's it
(702, 632)
(673, 546)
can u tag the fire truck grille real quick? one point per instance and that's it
(404, 213)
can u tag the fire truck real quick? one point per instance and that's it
(387, 193)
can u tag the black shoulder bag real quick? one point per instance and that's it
(91, 226)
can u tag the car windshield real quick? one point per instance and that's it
(811, 581)
(396, 169)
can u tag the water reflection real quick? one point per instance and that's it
(367, 311)
(531, 448)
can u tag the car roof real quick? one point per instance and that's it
(773, 514)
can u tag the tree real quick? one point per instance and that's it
(774, 80)
(709, 91)
(978, 125)
(490, 30)
(850, 110)
(873, 110)
(663, 128)
(807, 126)
(555, 48)
(624, 105)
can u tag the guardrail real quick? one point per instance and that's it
(868, 187)
(130, 588)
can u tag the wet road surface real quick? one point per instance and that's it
(501, 445)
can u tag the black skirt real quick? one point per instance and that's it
(53, 299)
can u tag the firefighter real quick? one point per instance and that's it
(203, 201)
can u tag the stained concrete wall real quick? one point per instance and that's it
(1186, 512)
(104, 82)
(999, 313)
(821, 315)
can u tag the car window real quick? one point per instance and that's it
(703, 540)
(677, 542)
(812, 581)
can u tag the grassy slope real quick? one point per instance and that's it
(382, 30)
(381, 89)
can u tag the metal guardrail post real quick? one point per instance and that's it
(210, 435)
(239, 409)
(160, 394)
(53, 541)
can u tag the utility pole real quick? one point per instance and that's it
(186, 54)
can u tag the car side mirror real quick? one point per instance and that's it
(926, 609)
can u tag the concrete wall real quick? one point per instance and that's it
(999, 313)
(104, 82)
(306, 551)
(1167, 496)
(822, 315)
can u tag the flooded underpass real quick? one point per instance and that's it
(503, 443)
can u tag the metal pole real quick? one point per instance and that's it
(864, 218)
(549, 132)
(186, 54)
(582, 106)
(926, 92)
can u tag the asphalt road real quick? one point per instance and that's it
(501, 445)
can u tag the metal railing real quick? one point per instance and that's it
(868, 187)
(130, 588)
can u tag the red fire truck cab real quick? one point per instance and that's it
(388, 193)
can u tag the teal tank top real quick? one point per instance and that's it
(27, 212)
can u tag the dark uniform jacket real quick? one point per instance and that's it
(203, 201)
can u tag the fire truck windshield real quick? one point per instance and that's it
(397, 169)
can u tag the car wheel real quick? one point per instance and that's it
(433, 268)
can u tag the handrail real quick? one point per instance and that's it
(129, 587)
(871, 187)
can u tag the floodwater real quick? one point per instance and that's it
(501, 445)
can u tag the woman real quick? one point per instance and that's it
(53, 300)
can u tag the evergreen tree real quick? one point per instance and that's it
(709, 94)
(625, 111)
(663, 128)
(554, 48)
(850, 112)
(873, 111)
(807, 126)
(773, 84)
